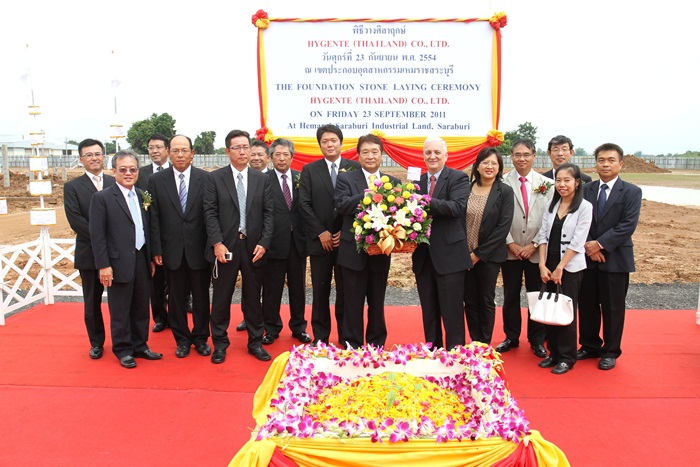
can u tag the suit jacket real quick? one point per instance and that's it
(316, 201)
(284, 218)
(573, 233)
(585, 178)
(613, 228)
(145, 173)
(113, 233)
(77, 195)
(526, 230)
(349, 191)
(222, 212)
(449, 251)
(495, 224)
(172, 232)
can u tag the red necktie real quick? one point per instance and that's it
(523, 190)
(432, 185)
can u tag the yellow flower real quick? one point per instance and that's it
(367, 201)
(391, 198)
(410, 186)
(385, 179)
(368, 225)
(387, 185)
(383, 207)
(406, 194)
(355, 224)
(366, 218)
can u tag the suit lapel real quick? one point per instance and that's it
(295, 189)
(494, 194)
(227, 175)
(87, 182)
(614, 195)
(172, 190)
(193, 190)
(441, 183)
(590, 193)
(252, 184)
(119, 197)
(326, 176)
(276, 188)
(513, 178)
(360, 181)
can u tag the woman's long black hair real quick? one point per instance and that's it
(578, 194)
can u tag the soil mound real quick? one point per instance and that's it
(634, 164)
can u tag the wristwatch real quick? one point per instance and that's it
(535, 244)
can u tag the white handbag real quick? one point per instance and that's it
(553, 308)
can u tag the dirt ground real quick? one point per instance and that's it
(667, 240)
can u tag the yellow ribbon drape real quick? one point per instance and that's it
(390, 238)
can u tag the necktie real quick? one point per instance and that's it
(523, 191)
(432, 185)
(334, 174)
(241, 204)
(98, 182)
(286, 192)
(160, 167)
(183, 193)
(138, 222)
(372, 178)
(602, 198)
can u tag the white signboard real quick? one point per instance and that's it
(403, 79)
(38, 163)
(39, 216)
(3, 206)
(39, 187)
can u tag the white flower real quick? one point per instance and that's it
(358, 230)
(378, 218)
(411, 205)
(417, 227)
(368, 225)
(401, 219)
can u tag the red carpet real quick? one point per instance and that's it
(61, 408)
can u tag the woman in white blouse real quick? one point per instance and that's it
(563, 234)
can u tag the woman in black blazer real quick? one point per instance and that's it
(489, 215)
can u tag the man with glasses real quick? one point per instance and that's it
(523, 257)
(77, 195)
(238, 212)
(179, 238)
(560, 149)
(158, 152)
(119, 230)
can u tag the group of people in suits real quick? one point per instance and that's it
(200, 229)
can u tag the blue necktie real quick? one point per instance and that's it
(183, 193)
(602, 198)
(138, 222)
(241, 204)
(334, 174)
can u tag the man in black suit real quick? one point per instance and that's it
(259, 159)
(560, 150)
(440, 266)
(322, 223)
(287, 254)
(158, 152)
(363, 275)
(238, 210)
(76, 199)
(179, 238)
(610, 258)
(119, 231)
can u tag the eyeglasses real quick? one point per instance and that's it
(522, 155)
(90, 155)
(184, 152)
(124, 170)
(239, 148)
(159, 147)
(489, 163)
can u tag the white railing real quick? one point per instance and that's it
(30, 272)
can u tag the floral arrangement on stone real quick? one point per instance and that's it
(408, 392)
(392, 218)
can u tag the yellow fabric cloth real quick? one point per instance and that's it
(363, 453)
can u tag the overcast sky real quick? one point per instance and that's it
(597, 71)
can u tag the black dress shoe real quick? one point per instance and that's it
(203, 349)
(260, 353)
(159, 327)
(606, 363)
(506, 345)
(128, 362)
(96, 352)
(539, 350)
(561, 368)
(302, 337)
(547, 363)
(269, 338)
(218, 356)
(585, 354)
(242, 326)
(148, 354)
(182, 351)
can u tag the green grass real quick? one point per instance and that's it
(679, 180)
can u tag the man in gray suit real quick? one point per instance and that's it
(533, 193)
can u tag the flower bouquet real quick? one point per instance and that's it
(392, 218)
